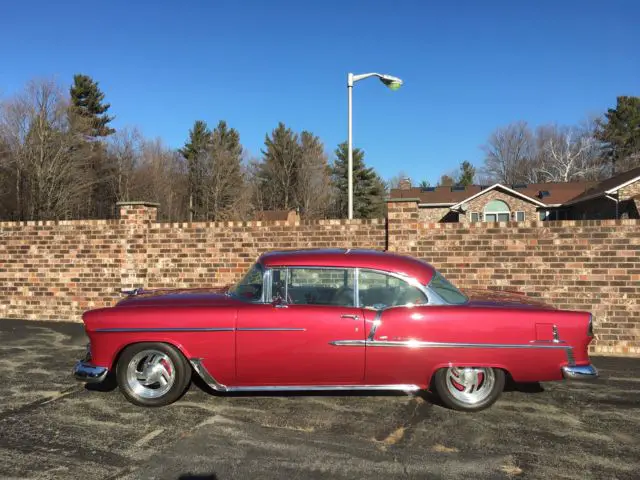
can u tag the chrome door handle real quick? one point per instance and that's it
(350, 315)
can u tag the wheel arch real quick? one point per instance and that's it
(178, 346)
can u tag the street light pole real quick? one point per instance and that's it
(393, 83)
(350, 143)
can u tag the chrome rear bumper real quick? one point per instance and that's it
(86, 372)
(580, 372)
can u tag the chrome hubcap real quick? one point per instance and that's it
(150, 374)
(470, 385)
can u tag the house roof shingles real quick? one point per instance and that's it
(608, 184)
(559, 192)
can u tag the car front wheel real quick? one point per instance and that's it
(152, 374)
(469, 388)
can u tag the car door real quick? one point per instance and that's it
(289, 342)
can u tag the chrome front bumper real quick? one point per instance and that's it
(580, 372)
(86, 372)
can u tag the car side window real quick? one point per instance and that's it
(314, 286)
(379, 290)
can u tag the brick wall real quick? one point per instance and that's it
(214, 254)
(56, 270)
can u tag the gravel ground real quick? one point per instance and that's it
(52, 427)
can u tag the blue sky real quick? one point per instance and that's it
(468, 67)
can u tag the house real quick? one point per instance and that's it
(616, 197)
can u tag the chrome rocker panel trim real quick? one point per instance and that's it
(88, 373)
(579, 372)
(200, 369)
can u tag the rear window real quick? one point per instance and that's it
(445, 290)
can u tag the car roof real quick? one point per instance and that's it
(351, 258)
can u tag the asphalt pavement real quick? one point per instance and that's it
(53, 427)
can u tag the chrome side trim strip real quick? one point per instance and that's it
(258, 329)
(419, 344)
(374, 327)
(200, 369)
(221, 329)
(324, 388)
(197, 329)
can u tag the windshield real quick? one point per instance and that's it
(249, 289)
(446, 290)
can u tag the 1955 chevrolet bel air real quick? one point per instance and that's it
(334, 320)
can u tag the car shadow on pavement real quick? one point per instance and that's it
(429, 396)
(107, 385)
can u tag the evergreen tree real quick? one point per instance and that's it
(87, 103)
(467, 174)
(621, 133)
(194, 152)
(224, 177)
(424, 184)
(368, 187)
(313, 185)
(280, 167)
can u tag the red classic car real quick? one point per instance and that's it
(334, 320)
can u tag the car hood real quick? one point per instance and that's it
(495, 298)
(180, 297)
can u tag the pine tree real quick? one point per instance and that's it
(87, 103)
(368, 187)
(621, 133)
(224, 177)
(194, 151)
(467, 174)
(280, 168)
(313, 185)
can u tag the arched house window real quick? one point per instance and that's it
(497, 211)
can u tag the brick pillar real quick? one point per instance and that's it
(403, 219)
(137, 218)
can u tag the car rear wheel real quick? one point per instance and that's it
(152, 374)
(469, 388)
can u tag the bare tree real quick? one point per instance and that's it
(568, 155)
(124, 149)
(162, 178)
(507, 153)
(398, 180)
(52, 177)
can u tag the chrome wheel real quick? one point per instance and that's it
(150, 374)
(470, 385)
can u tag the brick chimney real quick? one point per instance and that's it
(404, 183)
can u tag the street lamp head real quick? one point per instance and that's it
(394, 83)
